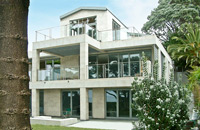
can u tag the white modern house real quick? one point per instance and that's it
(87, 64)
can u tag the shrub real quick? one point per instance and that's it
(160, 105)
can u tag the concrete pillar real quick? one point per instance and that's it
(159, 64)
(52, 102)
(35, 102)
(84, 104)
(98, 103)
(83, 60)
(35, 64)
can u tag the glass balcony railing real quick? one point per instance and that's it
(114, 70)
(68, 73)
(30, 75)
(90, 30)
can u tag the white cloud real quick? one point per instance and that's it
(134, 12)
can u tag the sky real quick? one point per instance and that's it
(45, 13)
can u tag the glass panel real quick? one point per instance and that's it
(71, 73)
(111, 103)
(102, 66)
(116, 31)
(124, 103)
(101, 71)
(41, 97)
(135, 64)
(124, 65)
(92, 60)
(113, 66)
(66, 101)
(49, 64)
(92, 71)
(90, 102)
(56, 74)
(76, 103)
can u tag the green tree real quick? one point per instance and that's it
(187, 48)
(14, 80)
(169, 16)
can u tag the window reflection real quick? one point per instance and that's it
(84, 26)
(111, 103)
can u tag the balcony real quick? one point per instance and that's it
(100, 35)
(69, 73)
(115, 70)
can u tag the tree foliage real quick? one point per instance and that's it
(169, 16)
(187, 48)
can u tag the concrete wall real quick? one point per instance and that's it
(52, 102)
(98, 103)
(70, 62)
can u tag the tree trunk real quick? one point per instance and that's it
(14, 80)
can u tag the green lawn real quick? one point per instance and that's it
(44, 127)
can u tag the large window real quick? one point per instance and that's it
(71, 102)
(84, 26)
(118, 103)
(116, 30)
(117, 65)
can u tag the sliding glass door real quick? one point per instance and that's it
(118, 104)
(124, 103)
(71, 102)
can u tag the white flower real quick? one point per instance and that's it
(181, 101)
(151, 87)
(167, 100)
(158, 107)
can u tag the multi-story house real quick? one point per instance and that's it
(87, 64)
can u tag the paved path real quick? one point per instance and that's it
(105, 124)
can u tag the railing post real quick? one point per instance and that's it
(35, 36)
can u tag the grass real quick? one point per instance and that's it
(46, 127)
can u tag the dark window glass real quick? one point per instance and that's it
(111, 103)
(41, 104)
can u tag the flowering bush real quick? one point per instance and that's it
(160, 105)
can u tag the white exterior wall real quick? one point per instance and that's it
(52, 102)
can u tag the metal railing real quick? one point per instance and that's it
(100, 35)
(68, 73)
(30, 75)
(114, 70)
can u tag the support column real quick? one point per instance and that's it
(35, 102)
(84, 104)
(98, 103)
(35, 64)
(159, 64)
(83, 60)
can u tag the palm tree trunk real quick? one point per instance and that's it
(14, 80)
